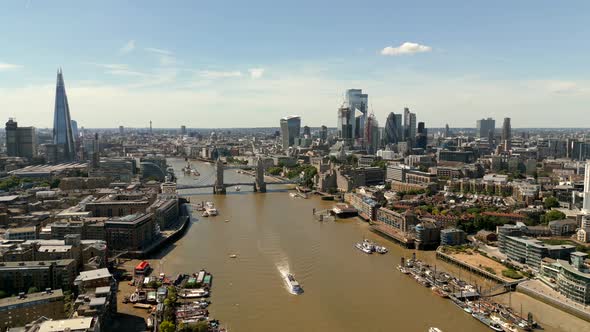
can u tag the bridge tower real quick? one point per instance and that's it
(219, 187)
(260, 184)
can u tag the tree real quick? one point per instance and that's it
(550, 202)
(553, 215)
(167, 326)
(32, 290)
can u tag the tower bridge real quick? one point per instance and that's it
(219, 186)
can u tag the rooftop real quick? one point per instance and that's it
(73, 324)
(29, 298)
(93, 275)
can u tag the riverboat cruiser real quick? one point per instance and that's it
(193, 293)
(294, 286)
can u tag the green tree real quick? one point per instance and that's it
(553, 215)
(550, 202)
(275, 170)
(32, 290)
(167, 326)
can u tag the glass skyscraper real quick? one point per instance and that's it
(290, 129)
(63, 135)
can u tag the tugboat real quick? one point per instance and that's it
(294, 286)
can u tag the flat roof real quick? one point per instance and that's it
(7, 301)
(4, 199)
(73, 324)
(93, 274)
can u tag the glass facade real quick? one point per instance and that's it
(63, 135)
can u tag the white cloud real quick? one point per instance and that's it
(158, 51)
(213, 74)
(563, 87)
(9, 66)
(406, 48)
(128, 47)
(111, 66)
(256, 73)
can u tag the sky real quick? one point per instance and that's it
(212, 64)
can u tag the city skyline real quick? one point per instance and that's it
(508, 65)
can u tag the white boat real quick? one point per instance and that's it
(294, 286)
(205, 214)
(233, 256)
(434, 329)
(381, 249)
(193, 293)
(363, 248)
(238, 188)
(211, 211)
(133, 298)
(209, 205)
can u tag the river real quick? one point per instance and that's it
(272, 233)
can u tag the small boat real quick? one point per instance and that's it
(133, 298)
(211, 211)
(294, 286)
(381, 249)
(193, 293)
(434, 329)
(238, 188)
(226, 220)
(149, 322)
(205, 214)
(233, 256)
(363, 248)
(439, 292)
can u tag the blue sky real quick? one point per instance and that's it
(247, 63)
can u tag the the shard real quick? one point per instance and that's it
(63, 136)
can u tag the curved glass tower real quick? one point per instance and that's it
(63, 136)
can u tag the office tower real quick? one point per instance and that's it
(150, 127)
(409, 125)
(306, 132)
(506, 134)
(371, 134)
(357, 101)
(400, 127)
(346, 124)
(121, 130)
(391, 129)
(290, 128)
(586, 204)
(183, 130)
(422, 136)
(63, 136)
(95, 152)
(447, 131)
(484, 127)
(75, 131)
(20, 141)
(323, 133)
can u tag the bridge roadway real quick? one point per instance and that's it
(227, 185)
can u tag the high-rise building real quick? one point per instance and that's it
(306, 131)
(409, 125)
(484, 127)
(371, 134)
(63, 135)
(290, 129)
(506, 133)
(400, 127)
(357, 101)
(121, 130)
(20, 141)
(323, 133)
(391, 129)
(422, 136)
(75, 131)
(183, 130)
(346, 124)
(95, 152)
(586, 204)
(447, 131)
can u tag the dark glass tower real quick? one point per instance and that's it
(63, 136)
(391, 129)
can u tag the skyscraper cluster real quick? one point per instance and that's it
(352, 116)
(484, 127)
